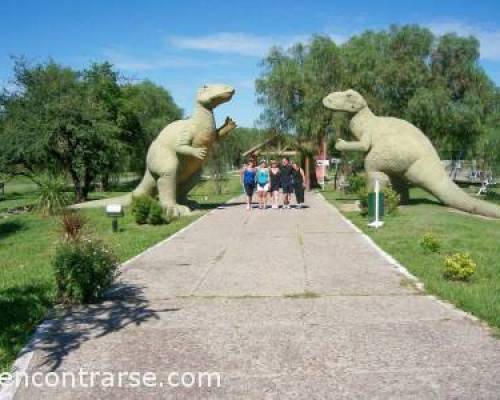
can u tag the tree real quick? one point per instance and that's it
(406, 71)
(81, 123)
(291, 89)
(62, 120)
(227, 153)
(146, 109)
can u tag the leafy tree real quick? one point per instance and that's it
(146, 109)
(406, 71)
(81, 123)
(62, 120)
(227, 153)
(291, 88)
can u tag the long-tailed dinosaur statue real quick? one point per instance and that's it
(175, 158)
(399, 152)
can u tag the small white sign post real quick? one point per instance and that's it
(323, 164)
(114, 211)
(377, 223)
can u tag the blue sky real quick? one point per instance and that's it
(183, 44)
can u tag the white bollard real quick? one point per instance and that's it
(377, 223)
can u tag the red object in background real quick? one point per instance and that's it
(321, 156)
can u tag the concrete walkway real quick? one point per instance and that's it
(291, 304)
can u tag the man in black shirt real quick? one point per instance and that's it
(286, 181)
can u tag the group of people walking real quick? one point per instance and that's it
(286, 178)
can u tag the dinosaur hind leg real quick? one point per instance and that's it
(372, 176)
(185, 188)
(147, 187)
(400, 185)
(167, 189)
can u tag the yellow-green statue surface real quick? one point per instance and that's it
(175, 158)
(399, 152)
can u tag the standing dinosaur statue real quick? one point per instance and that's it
(399, 152)
(175, 158)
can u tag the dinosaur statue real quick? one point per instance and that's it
(175, 158)
(399, 152)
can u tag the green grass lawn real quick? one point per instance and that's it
(480, 237)
(28, 242)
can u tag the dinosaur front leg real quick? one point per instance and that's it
(167, 195)
(401, 186)
(342, 145)
(227, 127)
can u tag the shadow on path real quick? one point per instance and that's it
(124, 305)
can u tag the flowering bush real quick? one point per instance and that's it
(459, 267)
(430, 242)
(83, 270)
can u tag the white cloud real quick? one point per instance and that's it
(488, 37)
(130, 62)
(235, 43)
(8, 85)
(339, 38)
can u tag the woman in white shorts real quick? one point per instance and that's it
(262, 184)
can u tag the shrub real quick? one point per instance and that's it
(363, 200)
(430, 242)
(391, 200)
(492, 195)
(72, 224)
(156, 214)
(140, 208)
(459, 267)
(53, 197)
(357, 183)
(83, 271)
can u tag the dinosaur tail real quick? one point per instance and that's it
(431, 175)
(124, 200)
(146, 187)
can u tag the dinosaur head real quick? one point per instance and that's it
(211, 96)
(349, 100)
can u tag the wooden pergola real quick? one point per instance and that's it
(275, 147)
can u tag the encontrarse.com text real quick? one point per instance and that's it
(131, 379)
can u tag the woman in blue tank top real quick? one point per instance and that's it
(247, 175)
(262, 184)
